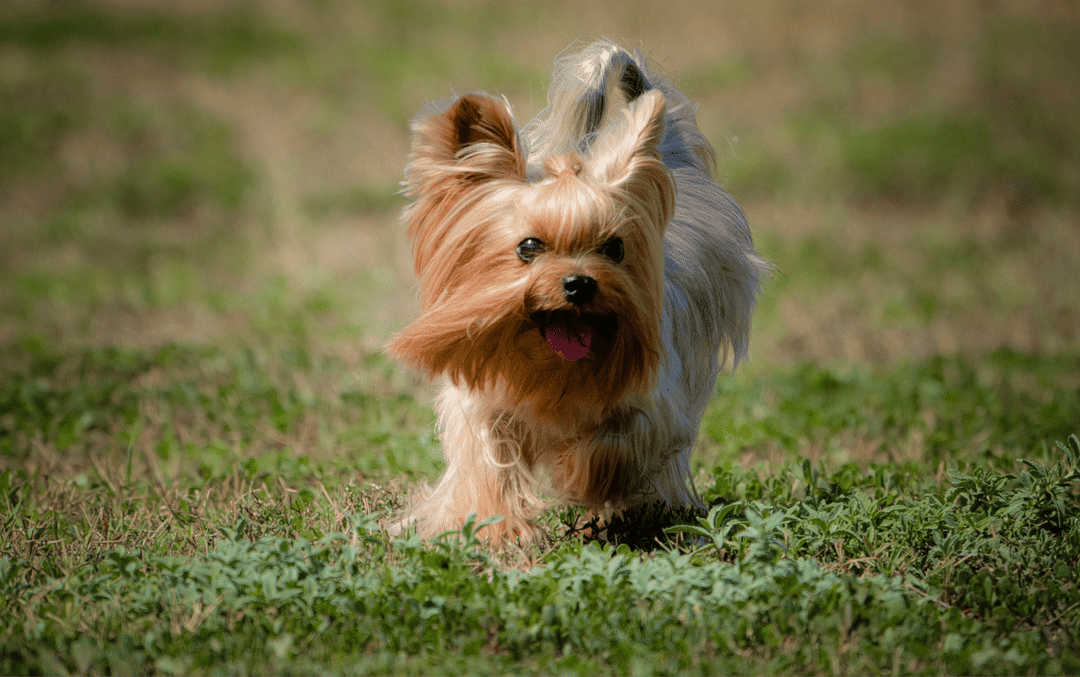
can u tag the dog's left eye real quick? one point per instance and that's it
(613, 249)
(529, 248)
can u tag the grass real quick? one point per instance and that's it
(160, 517)
(200, 437)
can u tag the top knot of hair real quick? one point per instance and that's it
(561, 165)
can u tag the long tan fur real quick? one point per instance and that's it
(611, 184)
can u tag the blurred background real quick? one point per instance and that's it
(225, 172)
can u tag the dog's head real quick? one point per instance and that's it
(550, 289)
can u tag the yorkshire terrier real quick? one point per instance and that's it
(580, 281)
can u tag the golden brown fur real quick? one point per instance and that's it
(575, 295)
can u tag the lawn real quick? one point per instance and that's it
(201, 258)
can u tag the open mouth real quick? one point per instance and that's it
(572, 335)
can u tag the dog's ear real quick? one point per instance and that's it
(626, 156)
(637, 135)
(472, 140)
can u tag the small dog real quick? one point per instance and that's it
(579, 282)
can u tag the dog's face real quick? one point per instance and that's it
(550, 289)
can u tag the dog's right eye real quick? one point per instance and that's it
(529, 248)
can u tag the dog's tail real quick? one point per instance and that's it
(590, 87)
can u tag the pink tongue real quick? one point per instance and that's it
(569, 342)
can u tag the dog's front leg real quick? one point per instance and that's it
(487, 473)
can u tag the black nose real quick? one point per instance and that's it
(579, 289)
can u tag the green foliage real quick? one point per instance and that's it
(357, 200)
(915, 156)
(729, 73)
(896, 58)
(221, 42)
(922, 156)
(163, 182)
(1009, 401)
(996, 547)
(855, 569)
(202, 410)
(1004, 130)
(35, 115)
(753, 169)
(778, 600)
